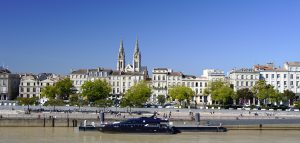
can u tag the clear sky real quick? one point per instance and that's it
(185, 35)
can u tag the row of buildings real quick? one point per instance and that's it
(160, 81)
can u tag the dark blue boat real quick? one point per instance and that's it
(140, 125)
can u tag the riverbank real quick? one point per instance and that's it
(231, 119)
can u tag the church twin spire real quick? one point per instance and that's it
(136, 67)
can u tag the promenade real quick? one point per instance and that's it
(121, 113)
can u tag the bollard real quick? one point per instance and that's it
(197, 118)
(53, 122)
(260, 126)
(102, 118)
(68, 124)
(44, 122)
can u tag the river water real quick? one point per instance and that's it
(72, 135)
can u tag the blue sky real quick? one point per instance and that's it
(188, 36)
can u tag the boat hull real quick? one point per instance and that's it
(139, 129)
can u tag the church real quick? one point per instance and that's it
(120, 79)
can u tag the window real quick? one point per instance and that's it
(273, 75)
(123, 83)
(284, 83)
(278, 82)
(200, 84)
(242, 77)
(278, 75)
(242, 83)
(246, 83)
(28, 84)
(267, 76)
(291, 76)
(28, 89)
(237, 83)
(284, 75)
(196, 84)
(251, 77)
(291, 82)
(34, 90)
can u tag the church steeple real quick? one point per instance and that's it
(137, 57)
(121, 58)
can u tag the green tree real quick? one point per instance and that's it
(76, 99)
(261, 90)
(49, 92)
(181, 93)
(28, 101)
(220, 91)
(161, 99)
(289, 96)
(137, 95)
(297, 104)
(275, 96)
(96, 90)
(64, 88)
(244, 94)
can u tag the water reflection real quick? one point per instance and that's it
(70, 135)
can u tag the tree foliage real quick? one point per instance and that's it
(28, 101)
(244, 94)
(263, 91)
(137, 95)
(64, 88)
(161, 99)
(61, 90)
(289, 96)
(96, 90)
(181, 93)
(54, 102)
(49, 92)
(220, 91)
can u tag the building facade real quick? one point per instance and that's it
(243, 78)
(9, 84)
(286, 78)
(120, 79)
(31, 85)
(164, 79)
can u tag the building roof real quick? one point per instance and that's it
(4, 70)
(296, 64)
(126, 73)
(80, 71)
(243, 70)
(175, 73)
(160, 68)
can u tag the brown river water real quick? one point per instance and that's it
(72, 135)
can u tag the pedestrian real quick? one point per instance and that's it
(170, 114)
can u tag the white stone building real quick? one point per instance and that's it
(31, 85)
(286, 78)
(9, 84)
(163, 79)
(243, 78)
